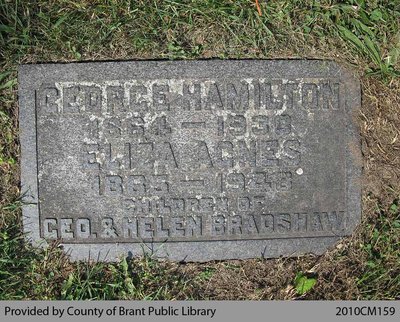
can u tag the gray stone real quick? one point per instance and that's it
(190, 160)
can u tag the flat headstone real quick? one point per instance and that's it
(190, 160)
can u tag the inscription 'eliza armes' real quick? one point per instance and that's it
(193, 155)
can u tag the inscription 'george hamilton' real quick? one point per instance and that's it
(197, 160)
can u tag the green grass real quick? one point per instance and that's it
(381, 275)
(26, 273)
(361, 34)
(144, 279)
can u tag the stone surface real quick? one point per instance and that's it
(190, 160)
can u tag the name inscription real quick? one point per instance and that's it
(191, 95)
(195, 227)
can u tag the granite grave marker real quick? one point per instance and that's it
(190, 160)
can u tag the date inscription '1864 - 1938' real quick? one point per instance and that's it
(191, 160)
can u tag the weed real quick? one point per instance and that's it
(206, 274)
(304, 283)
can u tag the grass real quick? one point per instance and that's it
(381, 275)
(363, 35)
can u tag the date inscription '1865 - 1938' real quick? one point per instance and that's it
(190, 160)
